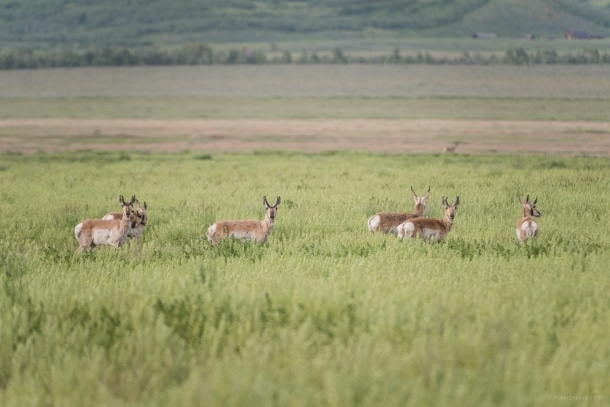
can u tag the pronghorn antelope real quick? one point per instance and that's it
(96, 232)
(387, 222)
(452, 148)
(430, 228)
(139, 219)
(526, 226)
(245, 230)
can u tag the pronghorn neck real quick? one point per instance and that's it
(420, 202)
(420, 208)
(128, 215)
(268, 223)
(529, 208)
(449, 217)
(271, 212)
(447, 222)
(126, 221)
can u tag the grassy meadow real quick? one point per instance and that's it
(324, 313)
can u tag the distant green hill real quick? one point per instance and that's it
(168, 22)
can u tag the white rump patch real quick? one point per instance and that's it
(405, 229)
(374, 223)
(77, 229)
(528, 230)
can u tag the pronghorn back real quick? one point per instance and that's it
(245, 230)
(387, 222)
(527, 227)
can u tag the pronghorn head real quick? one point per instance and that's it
(529, 208)
(127, 206)
(420, 201)
(271, 209)
(450, 209)
(141, 213)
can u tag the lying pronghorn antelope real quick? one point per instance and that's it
(96, 232)
(429, 228)
(139, 219)
(387, 222)
(527, 227)
(245, 230)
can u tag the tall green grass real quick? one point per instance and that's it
(324, 313)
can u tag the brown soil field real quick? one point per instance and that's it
(566, 138)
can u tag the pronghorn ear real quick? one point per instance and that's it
(535, 200)
(445, 202)
(133, 199)
(527, 199)
(144, 204)
(138, 203)
(121, 200)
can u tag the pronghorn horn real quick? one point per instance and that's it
(121, 199)
(457, 201)
(527, 199)
(144, 204)
(445, 202)
(133, 199)
(412, 190)
(277, 201)
(265, 201)
(535, 200)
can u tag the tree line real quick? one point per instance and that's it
(201, 54)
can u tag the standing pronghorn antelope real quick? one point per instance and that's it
(526, 226)
(451, 148)
(429, 228)
(387, 222)
(96, 232)
(139, 219)
(245, 230)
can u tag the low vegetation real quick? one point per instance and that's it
(324, 312)
(201, 54)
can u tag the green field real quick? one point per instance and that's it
(324, 313)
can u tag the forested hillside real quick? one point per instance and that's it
(82, 23)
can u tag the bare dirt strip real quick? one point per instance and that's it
(381, 136)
